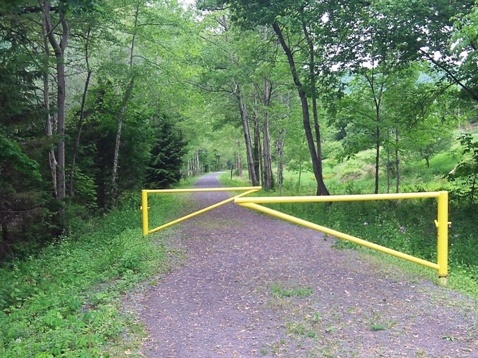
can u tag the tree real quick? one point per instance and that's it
(167, 155)
(438, 32)
(228, 77)
(467, 170)
(24, 198)
(294, 26)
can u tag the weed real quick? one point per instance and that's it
(377, 327)
(315, 318)
(449, 338)
(296, 328)
(378, 323)
(281, 292)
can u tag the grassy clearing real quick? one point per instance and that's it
(65, 301)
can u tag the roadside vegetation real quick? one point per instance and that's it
(64, 301)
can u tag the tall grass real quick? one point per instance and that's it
(64, 301)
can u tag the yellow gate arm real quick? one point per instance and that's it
(144, 203)
(441, 223)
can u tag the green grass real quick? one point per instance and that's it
(65, 300)
(283, 292)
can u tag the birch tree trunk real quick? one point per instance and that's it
(122, 113)
(268, 181)
(46, 102)
(247, 135)
(59, 47)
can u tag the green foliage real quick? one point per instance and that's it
(466, 171)
(26, 208)
(465, 39)
(95, 156)
(12, 153)
(64, 301)
(167, 154)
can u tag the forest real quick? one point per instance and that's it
(100, 99)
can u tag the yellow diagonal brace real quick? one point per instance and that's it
(202, 210)
(338, 234)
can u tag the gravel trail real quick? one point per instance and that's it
(253, 286)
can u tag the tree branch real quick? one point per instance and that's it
(451, 75)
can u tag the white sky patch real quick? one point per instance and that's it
(186, 3)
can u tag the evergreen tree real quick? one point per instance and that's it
(166, 156)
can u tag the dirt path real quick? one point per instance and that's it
(255, 286)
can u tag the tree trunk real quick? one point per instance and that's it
(121, 119)
(377, 157)
(268, 181)
(427, 161)
(321, 190)
(76, 145)
(377, 99)
(238, 164)
(46, 101)
(122, 114)
(190, 168)
(389, 165)
(389, 171)
(238, 160)
(59, 50)
(316, 161)
(280, 159)
(197, 163)
(397, 162)
(256, 148)
(247, 135)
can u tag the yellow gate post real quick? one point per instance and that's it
(442, 246)
(144, 210)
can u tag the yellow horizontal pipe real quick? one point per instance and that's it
(193, 190)
(196, 213)
(335, 198)
(338, 234)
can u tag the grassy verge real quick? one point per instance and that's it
(65, 300)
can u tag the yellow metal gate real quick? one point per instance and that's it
(441, 266)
